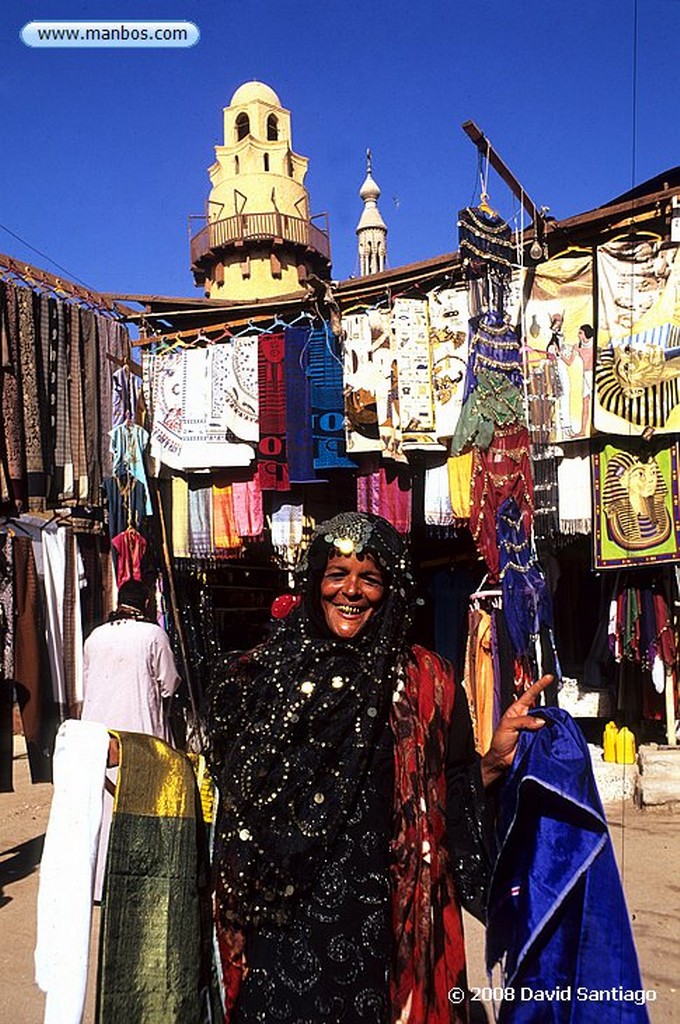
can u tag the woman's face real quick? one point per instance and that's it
(352, 590)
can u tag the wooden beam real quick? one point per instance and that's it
(486, 149)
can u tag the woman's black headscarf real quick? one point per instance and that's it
(293, 724)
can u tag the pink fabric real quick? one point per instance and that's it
(248, 510)
(129, 547)
(386, 493)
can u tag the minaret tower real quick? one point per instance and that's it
(258, 238)
(371, 229)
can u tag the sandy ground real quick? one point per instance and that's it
(647, 845)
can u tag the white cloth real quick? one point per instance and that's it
(448, 316)
(54, 560)
(574, 494)
(66, 869)
(412, 345)
(128, 669)
(438, 508)
(189, 429)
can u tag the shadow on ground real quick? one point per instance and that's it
(18, 862)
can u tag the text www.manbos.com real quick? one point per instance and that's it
(110, 33)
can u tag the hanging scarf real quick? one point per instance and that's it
(299, 439)
(271, 451)
(324, 370)
(429, 954)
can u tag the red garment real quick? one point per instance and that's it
(502, 471)
(429, 952)
(129, 547)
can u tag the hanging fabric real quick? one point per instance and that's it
(448, 317)
(414, 359)
(327, 399)
(271, 452)
(361, 384)
(299, 438)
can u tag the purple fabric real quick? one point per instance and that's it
(299, 439)
(494, 344)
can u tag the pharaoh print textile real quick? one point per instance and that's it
(558, 328)
(637, 367)
(637, 520)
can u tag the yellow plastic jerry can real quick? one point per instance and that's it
(609, 741)
(625, 747)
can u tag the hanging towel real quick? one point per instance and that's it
(438, 509)
(199, 538)
(460, 479)
(248, 508)
(387, 492)
(574, 494)
(180, 517)
(225, 534)
(326, 394)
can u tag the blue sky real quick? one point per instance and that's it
(105, 152)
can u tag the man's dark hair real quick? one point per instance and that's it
(135, 594)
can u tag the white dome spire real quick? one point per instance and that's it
(371, 229)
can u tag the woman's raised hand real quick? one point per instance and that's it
(500, 754)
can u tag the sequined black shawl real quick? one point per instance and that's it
(292, 725)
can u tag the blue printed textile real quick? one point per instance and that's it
(557, 919)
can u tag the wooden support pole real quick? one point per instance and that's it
(669, 695)
(486, 149)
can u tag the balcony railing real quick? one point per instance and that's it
(244, 227)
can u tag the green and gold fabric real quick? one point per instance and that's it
(150, 941)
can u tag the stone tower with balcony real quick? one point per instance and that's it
(258, 238)
(371, 229)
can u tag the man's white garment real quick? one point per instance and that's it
(128, 670)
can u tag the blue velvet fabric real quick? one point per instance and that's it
(557, 919)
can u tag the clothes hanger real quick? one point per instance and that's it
(250, 328)
(304, 315)
(480, 594)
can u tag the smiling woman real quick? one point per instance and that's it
(351, 590)
(352, 822)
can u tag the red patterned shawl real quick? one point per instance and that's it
(428, 954)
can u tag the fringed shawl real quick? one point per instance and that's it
(428, 952)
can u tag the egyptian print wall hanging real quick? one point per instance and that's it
(637, 366)
(448, 314)
(360, 385)
(412, 345)
(558, 328)
(193, 420)
(637, 521)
